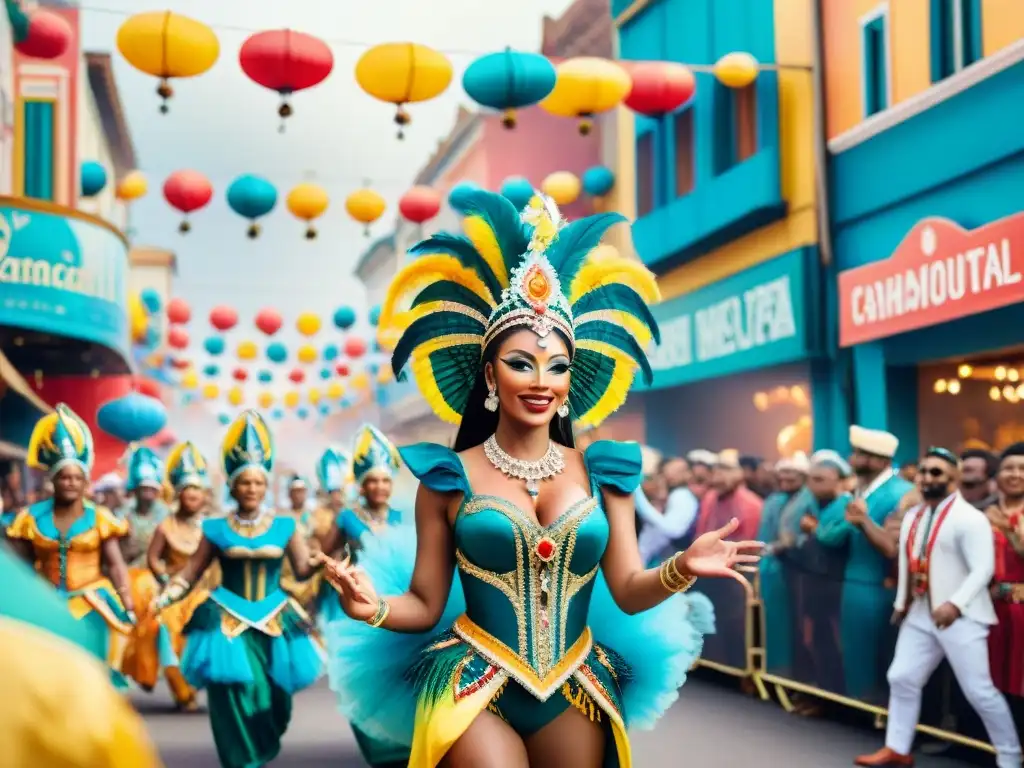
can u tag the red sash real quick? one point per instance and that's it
(919, 565)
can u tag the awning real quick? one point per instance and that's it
(14, 380)
(11, 452)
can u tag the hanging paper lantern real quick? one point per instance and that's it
(265, 400)
(178, 311)
(211, 391)
(247, 350)
(344, 318)
(374, 315)
(509, 80)
(48, 35)
(285, 61)
(313, 395)
(365, 206)
(211, 370)
(307, 202)
(330, 352)
(297, 375)
(187, 191)
(240, 374)
(325, 410)
(167, 45)
(151, 300)
(308, 324)
(132, 186)
(562, 187)
(277, 352)
(341, 369)
(306, 354)
(361, 380)
(659, 87)
(223, 419)
(269, 321)
(403, 73)
(177, 337)
(236, 396)
(223, 318)
(152, 338)
(180, 364)
(598, 181)
(518, 191)
(385, 375)
(335, 390)
(132, 418)
(189, 380)
(265, 376)
(302, 413)
(214, 345)
(326, 373)
(252, 197)
(355, 347)
(736, 70)
(585, 87)
(92, 178)
(277, 414)
(138, 318)
(291, 399)
(419, 204)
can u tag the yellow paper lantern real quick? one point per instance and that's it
(307, 354)
(361, 380)
(291, 399)
(132, 186)
(138, 318)
(236, 396)
(265, 399)
(313, 395)
(247, 350)
(365, 206)
(385, 375)
(211, 391)
(308, 324)
(562, 187)
(166, 45)
(307, 202)
(189, 380)
(403, 73)
(736, 70)
(586, 86)
(335, 390)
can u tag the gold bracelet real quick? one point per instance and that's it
(383, 609)
(671, 578)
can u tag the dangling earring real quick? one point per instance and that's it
(491, 401)
(563, 409)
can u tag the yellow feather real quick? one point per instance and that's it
(618, 388)
(363, 444)
(483, 239)
(173, 459)
(42, 437)
(606, 270)
(236, 429)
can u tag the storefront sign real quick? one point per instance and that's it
(940, 272)
(63, 274)
(750, 320)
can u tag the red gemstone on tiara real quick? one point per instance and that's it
(545, 549)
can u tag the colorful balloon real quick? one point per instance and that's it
(265, 377)
(223, 419)
(211, 370)
(178, 311)
(297, 375)
(585, 86)
(252, 197)
(736, 70)
(285, 61)
(223, 318)
(659, 87)
(132, 417)
(277, 414)
(265, 400)
(277, 352)
(240, 374)
(302, 413)
(330, 352)
(326, 373)
(355, 347)
(211, 391)
(214, 345)
(344, 318)
(291, 399)
(177, 337)
(419, 204)
(269, 321)
(341, 369)
(48, 35)
(236, 396)
(189, 380)
(247, 350)
(187, 191)
(313, 395)
(374, 315)
(132, 187)
(335, 390)
(562, 186)
(307, 354)
(92, 178)
(598, 181)
(308, 324)
(151, 300)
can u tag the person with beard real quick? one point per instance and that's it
(978, 470)
(869, 546)
(944, 609)
(701, 462)
(662, 533)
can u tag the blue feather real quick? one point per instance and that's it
(503, 219)
(569, 251)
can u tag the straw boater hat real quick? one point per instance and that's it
(874, 441)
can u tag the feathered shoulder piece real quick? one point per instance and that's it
(520, 270)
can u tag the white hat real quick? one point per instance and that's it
(701, 456)
(831, 458)
(797, 462)
(729, 458)
(874, 441)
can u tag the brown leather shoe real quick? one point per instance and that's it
(885, 758)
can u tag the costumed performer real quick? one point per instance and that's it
(514, 332)
(249, 643)
(334, 473)
(70, 540)
(303, 590)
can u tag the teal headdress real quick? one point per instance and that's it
(530, 271)
(373, 453)
(247, 445)
(186, 468)
(332, 470)
(60, 439)
(144, 470)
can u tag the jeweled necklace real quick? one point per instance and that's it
(533, 472)
(249, 522)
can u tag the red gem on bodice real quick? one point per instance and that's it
(545, 549)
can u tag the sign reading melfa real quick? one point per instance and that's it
(940, 272)
(63, 273)
(751, 320)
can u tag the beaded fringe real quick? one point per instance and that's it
(582, 701)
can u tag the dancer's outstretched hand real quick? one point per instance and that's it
(355, 591)
(712, 556)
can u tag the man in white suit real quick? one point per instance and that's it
(943, 606)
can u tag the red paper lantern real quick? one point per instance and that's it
(659, 87)
(341, 369)
(355, 347)
(269, 321)
(223, 318)
(285, 61)
(178, 311)
(49, 36)
(180, 364)
(187, 191)
(177, 337)
(149, 387)
(420, 204)
(297, 375)
(240, 374)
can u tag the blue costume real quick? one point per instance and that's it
(778, 618)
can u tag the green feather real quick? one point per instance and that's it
(446, 290)
(591, 376)
(620, 338)
(576, 240)
(455, 368)
(430, 327)
(619, 297)
(433, 673)
(503, 219)
(462, 249)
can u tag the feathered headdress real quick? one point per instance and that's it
(186, 467)
(373, 452)
(247, 445)
(59, 439)
(144, 469)
(511, 270)
(332, 470)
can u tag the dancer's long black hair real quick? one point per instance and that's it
(478, 423)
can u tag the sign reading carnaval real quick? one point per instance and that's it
(940, 272)
(63, 273)
(751, 320)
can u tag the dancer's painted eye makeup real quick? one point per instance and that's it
(520, 362)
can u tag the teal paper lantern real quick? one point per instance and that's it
(93, 178)
(374, 316)
(518, 191)
(344, 318)
(211, 370)
(598, 181)
(330, 352)
(326, 373)
(252, 197)
(132, 418)
(265, 377)
(509, 80)
(277, 352)
(224, 419)
(214, 345)
(151, 300)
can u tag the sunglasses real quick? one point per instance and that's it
(932, 472)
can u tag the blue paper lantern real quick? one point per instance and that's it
(224, 419)
(211, 370)
(518, 191)
(598, 181)
(132, 418)
(93, 178)
(374, 315)
(302, 413)
(186, 398)
(151, 300)
(509, 80)
(330, 352)
(325, 410)
(152, 338)
(214, 345)
(458, 193)
(346, 403)
(277, 414)
(277, 352)
(252, 197)
(326, 373)
(344, 318)
(373, 368)
(265, 377)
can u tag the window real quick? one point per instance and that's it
(38, 119)
(955, 36)
(875, 53)
(682, 129)
(746, 121)
(645, 174)
(723, 147)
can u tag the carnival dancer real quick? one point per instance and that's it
(304, 513)
(944, 609)
(249, 643)
(515, 331)
(333, 470)
(71, 540)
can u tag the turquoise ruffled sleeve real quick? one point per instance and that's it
(437, 467)
(615, 465)
(350, 525)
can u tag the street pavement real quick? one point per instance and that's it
(711, 726)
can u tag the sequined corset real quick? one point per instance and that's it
(250, 557)
(70, 563)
